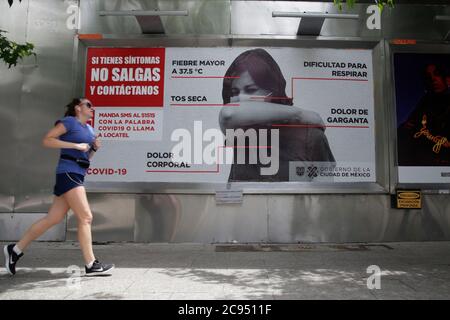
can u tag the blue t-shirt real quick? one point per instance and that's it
(76, 133)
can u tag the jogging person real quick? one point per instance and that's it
(78, 143)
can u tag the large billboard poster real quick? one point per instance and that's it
(232, 115)
(423, 117)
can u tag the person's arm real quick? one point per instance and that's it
(256, 112)
(51, 140)
(95, 146)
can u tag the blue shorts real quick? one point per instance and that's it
(67, 181)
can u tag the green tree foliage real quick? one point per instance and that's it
(350, 3)
(11, 52)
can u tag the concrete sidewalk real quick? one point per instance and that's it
(191, 271)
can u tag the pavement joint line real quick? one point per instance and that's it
(373, 294)
(407, 285)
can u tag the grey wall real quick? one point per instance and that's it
(33, 95)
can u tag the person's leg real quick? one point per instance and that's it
(77, 200)
(55, 215)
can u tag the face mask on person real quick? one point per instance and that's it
(250, 97)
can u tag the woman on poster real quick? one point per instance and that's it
(255, 81)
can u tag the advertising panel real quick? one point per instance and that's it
(232, 114)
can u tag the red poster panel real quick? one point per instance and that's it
(125, 77)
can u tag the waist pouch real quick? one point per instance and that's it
(83, 163)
